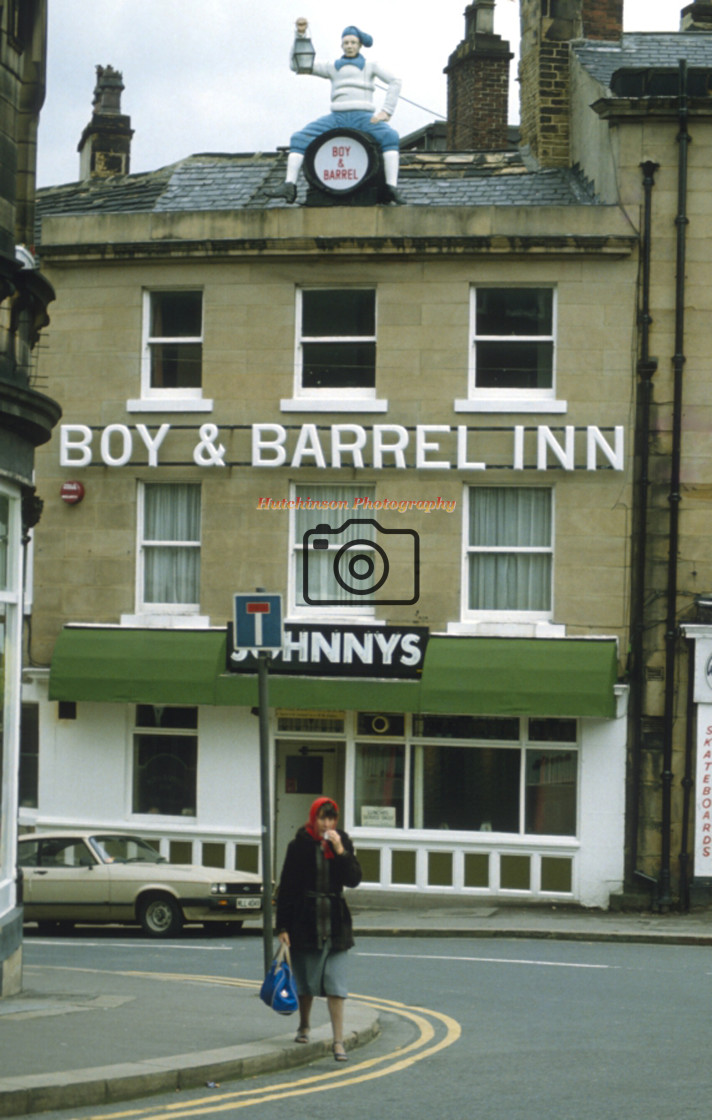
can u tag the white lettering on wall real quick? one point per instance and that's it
(355, 447)
(422, 446)
(595, 439)
(261, 443)
(395, 448)
(351, 447)
(75, 445)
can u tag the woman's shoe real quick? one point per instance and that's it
(302, 1035)
(340, 1054)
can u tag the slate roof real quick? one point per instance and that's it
(428, 178)
(235, 182)
(660, 50)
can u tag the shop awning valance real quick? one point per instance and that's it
(461, 675)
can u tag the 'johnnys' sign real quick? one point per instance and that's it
(321, 650)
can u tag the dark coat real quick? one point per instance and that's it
(296, 898)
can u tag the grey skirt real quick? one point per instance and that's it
(320, 972)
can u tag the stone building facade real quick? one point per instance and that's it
(459, 376)
(26, 415)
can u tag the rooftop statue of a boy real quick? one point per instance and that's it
(353, 80)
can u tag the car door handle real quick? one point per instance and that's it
(40, 872)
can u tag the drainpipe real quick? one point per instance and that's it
(671, 627)
(646, 367)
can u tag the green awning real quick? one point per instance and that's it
(520, 676)
(130, 666)
(461, 675)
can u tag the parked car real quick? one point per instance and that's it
(109, 877)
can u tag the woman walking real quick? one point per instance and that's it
(313, 919)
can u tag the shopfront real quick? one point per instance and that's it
(495, 771)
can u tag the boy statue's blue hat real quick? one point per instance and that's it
(366, 40)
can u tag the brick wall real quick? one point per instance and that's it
(602, 19)
(547, 28)
(478, 97)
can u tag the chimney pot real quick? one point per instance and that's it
(479, 18)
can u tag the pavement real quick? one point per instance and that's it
(78, 1037)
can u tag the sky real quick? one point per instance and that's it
(213, 75)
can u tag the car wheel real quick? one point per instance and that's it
(160, 916)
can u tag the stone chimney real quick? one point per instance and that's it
(603, 19)
(696, 17)
(547, 27)
(478, 84)
(105, 146)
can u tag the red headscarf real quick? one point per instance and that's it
(311, 828)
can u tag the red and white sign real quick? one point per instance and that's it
(703, 794)
(341, 163)
(71, 493)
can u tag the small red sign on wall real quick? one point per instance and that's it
(71, 493)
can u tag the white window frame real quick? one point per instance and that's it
(469, 615)
(11, 661)
(356, 399)
(154, 399)
(510, 400)
(162, 733)
(364, 612)
(144, 608)
(10, 585)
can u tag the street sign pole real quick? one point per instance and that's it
(257, 624)
(263, 702)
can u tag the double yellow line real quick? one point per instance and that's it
(435, 1032)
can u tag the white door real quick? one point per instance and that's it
(305, 770)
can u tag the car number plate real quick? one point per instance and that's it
(248, 903)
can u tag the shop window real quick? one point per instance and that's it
(173, 344)
(336, 342)
(329, 722)
(169, 547)
(498, 728)
(552, 730)
(512, 355)
(165, 762)
(380, 723)
(29, 756)
(379, 785)
(325, 574)
(509, 552)
(551, 780)
(505, 775)
(471, 789)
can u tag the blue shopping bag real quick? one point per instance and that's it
(278, 989)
